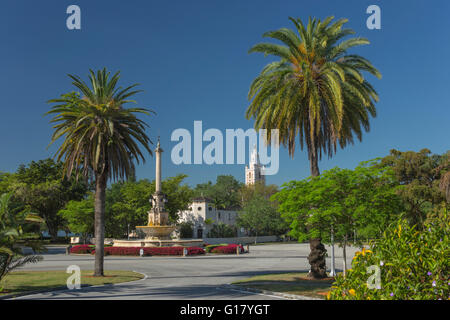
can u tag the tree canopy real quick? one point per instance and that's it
(41, 187)
(224, 193)
(422, 177)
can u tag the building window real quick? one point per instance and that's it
(199, 208)
(219, 215)
(210, 208)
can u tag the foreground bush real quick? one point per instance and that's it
(228, 249)
(413, 265)
(151, 251)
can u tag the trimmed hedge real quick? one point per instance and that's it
(228, 249)
(210, 247)
(83, 248)
(158, 251)
(151, 251)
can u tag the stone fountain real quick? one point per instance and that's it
(157, 231)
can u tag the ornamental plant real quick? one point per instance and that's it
(413, 265)
(13, 237)
(210, 247)
(83, 249)
(228, 249)
(151, 251)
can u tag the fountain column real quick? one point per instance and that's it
(158, 229)
(158, 152)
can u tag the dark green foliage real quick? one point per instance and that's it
(224, 194)
(41, 187)
(222, 230)
(186, 230)
(421, 176)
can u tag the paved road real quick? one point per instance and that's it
(196, 277)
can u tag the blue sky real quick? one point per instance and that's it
(191, 59)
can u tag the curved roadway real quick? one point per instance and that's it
(196, 277)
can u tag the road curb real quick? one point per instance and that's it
(267, 292)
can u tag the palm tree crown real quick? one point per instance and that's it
(316, 90)
(99, 132)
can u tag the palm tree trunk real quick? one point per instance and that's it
(100, 189)
(314, 163)
(316, 256)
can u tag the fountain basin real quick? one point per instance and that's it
(158, 236)
(156, 232)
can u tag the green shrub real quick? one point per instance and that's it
(413, 264)
(222, 230)
(186, 230)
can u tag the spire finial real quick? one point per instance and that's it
(158, 146)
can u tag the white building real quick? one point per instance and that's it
(201, 211)
(253, 172)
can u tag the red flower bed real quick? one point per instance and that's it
(151, 251)
(229, 249)
(82, 248)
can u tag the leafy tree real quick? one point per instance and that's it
(258, 189)
(100, 138)
(11, 233)
(179, 195)
(39, 187)
(344, 201)
(261, 217)
(80, 215)
(316, 90)
(5, 182)
(224, 194)
(127, 206)
(421, 176)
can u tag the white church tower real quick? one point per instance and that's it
(253, 172)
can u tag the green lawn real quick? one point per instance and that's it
(23, 281)
(291, 283)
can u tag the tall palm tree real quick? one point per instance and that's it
(100, 138)
(315, 90)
